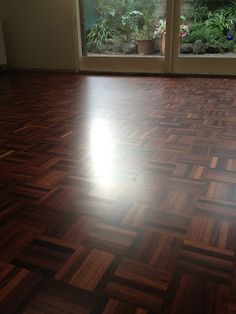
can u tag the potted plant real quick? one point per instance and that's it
(145, 36)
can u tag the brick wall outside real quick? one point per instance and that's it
(161, 7)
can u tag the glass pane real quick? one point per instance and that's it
(207, 28)
(123, 27)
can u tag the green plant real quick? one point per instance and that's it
(111, 12)
(100, 32)
(201, 9)
(209, 36)
(131, 22)
(198, 14)
(202, 32)
(117, 13)
(147, 32)
(210, 21)
(120, 8)
(230, 12)
(220, 20)
(223, 44)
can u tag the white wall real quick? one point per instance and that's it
(39, 34)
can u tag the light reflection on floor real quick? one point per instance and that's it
(102, 151)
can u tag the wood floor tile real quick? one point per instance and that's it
(54, 297)
(116, 307)
(199, 295)
(16, 285)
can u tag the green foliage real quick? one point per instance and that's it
(114, 10)
(210, 21)
(123, 16)
(202, 32)
(111, 12)
(232, 9)
(221, 20)
(224, 9)
(100, 32)
(223, 44)
(147, 32)
(198, 14)
(210, 36)
(131, 22)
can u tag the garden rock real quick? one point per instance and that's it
(212, 49)
(199, 47)
(186, 48)
(117, 46)
(104, 48)
(129, 48)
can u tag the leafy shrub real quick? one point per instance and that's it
(221, 20)
(230, 12)
(131, 22)
(209, 36)
(148, 30)
(111, 12)
(210, 21)
(202, 32)
(100, 32)
(231, 8)
(223, 44)
(123, 17)
(198, 14)
(114, 10)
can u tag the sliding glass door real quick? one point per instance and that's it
(158, 36)
(205, 41)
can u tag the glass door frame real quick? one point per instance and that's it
(172, 62)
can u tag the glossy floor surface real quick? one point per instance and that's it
(118, 194)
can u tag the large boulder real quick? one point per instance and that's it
(186, 48)
(199, 47)
(212, 49)
(130, 48)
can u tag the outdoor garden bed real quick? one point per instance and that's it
(136, 27)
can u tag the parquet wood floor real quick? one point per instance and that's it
(118, 195)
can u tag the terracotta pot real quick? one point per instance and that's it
(145, 47)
